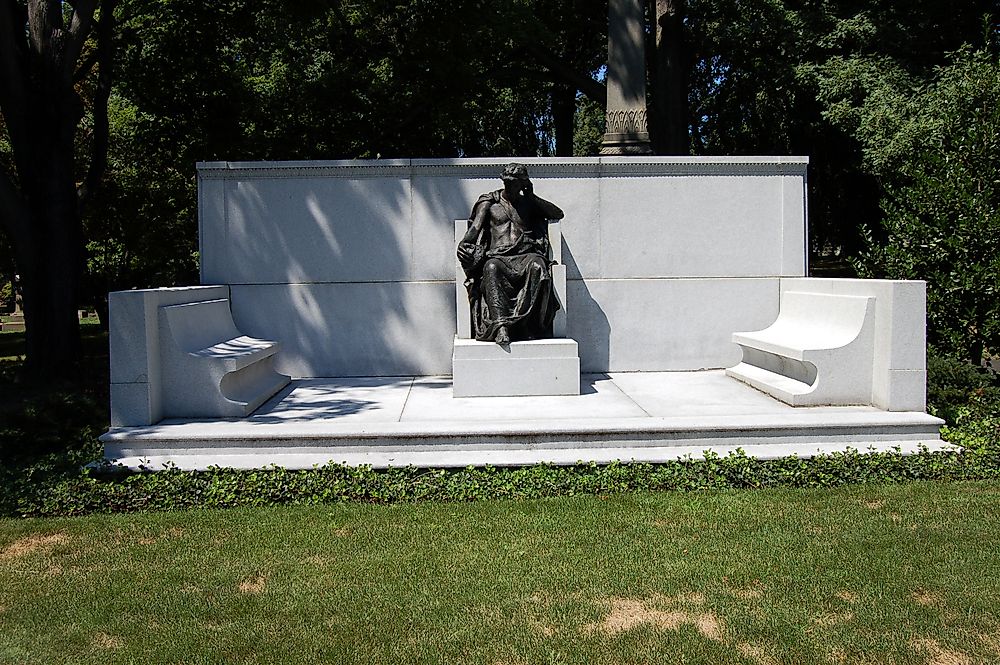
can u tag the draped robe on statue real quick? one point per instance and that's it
(511, 284)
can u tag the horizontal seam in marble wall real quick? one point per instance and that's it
(568, 279)
(593, 168)
(762, 170)
(672, 278)
(479, 162)
(347, 281)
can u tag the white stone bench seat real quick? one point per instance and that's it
(819, 351)
(238, 351)
(211, 369)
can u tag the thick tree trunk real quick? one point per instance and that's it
(50, 275)
(668, 61)
(40, 46)
(49, 259)
(563, 111)
(47, 263)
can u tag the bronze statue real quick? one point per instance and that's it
(507, 262)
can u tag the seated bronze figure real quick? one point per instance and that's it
(507, 262)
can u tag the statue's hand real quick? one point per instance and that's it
(470, 255)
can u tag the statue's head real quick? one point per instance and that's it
(514, 171)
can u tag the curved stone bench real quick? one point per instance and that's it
(211, 369)
(819, 351)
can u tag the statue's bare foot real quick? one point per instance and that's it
(503, 337)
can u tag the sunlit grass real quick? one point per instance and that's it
(94, 340)
(904, 573)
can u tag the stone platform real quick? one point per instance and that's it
(536, 367)
(400, 421)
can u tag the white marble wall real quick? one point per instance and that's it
(351, 264)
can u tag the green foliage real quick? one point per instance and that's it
(934, 150)
(45, 437)
(959, 391)
(237, 80)
(49, 431)
(142, 225)
(761, 79)
(6, 296)
(588, 130)
(171, 489)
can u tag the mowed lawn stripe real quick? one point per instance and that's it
(902, 573)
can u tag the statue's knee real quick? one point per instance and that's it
(491, 268)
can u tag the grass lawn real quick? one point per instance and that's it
(902, 574)
(94, 340)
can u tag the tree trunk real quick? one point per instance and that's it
(668, 62)
(49, 258)
(563, 111)
(40, 48)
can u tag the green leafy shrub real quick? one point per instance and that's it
(6, 297)
(956, 387)
(934, 151)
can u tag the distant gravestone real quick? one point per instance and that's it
(15, 321)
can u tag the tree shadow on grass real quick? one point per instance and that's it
(49, 430)
(11, 345)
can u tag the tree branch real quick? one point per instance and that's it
(596, 90)
(13, 98)
(105, 56)
(79, 29)
(44, 16)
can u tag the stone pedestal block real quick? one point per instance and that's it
(536, 367)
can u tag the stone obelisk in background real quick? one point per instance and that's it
(626, 132)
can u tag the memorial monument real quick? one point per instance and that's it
(671, 271)
(506, 258)
(336, 324)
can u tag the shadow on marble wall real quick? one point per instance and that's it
(332, 281)
(587, 323)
